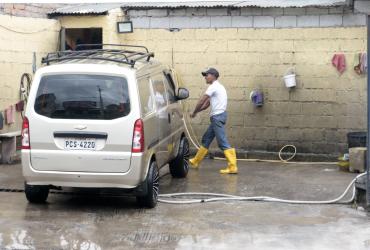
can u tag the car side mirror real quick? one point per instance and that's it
(182, 94)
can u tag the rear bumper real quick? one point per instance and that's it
(128, 180)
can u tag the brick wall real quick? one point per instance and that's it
(37, 10)
(18, 41)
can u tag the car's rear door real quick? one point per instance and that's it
(81, 123)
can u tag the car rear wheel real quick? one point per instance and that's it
(151, 198)
(179, 167)
(36, 193)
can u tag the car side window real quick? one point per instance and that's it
(159, 92)
(146, 96)
(170, 88)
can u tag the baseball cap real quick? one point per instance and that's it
(211, 71)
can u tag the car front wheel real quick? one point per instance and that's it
(179, 167)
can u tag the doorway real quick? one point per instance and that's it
(74, 38)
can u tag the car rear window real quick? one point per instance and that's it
(78, 96)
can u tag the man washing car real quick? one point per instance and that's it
(216, 97)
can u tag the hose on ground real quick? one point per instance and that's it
(174, 197)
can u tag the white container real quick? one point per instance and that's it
(290, 81)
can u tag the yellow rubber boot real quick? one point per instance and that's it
(232, 168)
(202, 152)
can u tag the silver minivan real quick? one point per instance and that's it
(103, 118)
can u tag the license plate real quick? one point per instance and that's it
(79, 144)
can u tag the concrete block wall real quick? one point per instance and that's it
(247, 17)
(315, 116)
(18, 41)
(254, 52)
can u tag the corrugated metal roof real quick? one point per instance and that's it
(85, 9)
(237, 4)
(103, 8)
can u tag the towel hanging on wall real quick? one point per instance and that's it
(339, 62)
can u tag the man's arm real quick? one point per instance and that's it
(202, 104)
(206, 105)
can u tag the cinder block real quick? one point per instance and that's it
(308, 21)
(177, 12)
(141, 22)
(242, 21)
(196, 12)
(137, 13)
(251, 11)
(272, 11)
(336, 10)
(285, 21)
(157, 12)
(317, 11)
(235, 12)
(263, 22)
(354, 20)
(220, 21)
(159, 22)
(331, 20)
(357, 159)
(217, 12)
(294, 11)
(190, 22)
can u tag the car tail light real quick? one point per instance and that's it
(26, 134)
(138, 137)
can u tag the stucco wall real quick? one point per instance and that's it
(315, 116)
(19, 38)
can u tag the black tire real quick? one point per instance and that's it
(152, 181)
(35, 193)
(179, 167)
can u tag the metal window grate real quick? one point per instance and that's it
(112, 54)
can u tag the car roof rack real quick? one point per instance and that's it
(87, 51)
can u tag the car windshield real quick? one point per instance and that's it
(80, 96)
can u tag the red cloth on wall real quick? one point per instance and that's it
(339, 62)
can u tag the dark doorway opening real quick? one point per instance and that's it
(76, 36)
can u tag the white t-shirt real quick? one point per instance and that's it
(217, 93)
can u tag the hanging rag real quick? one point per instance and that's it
(19, 106)
(360, 63)
(1, 120)
(357, 63)
(10, 115)
(339, 62)
(363, 60)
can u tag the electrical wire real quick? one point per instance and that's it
(25, 32)
(173, 198)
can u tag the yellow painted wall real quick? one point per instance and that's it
(315, 116)
(19, 38)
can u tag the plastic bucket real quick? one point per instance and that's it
(290, 81)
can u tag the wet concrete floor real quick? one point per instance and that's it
(101, 222)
